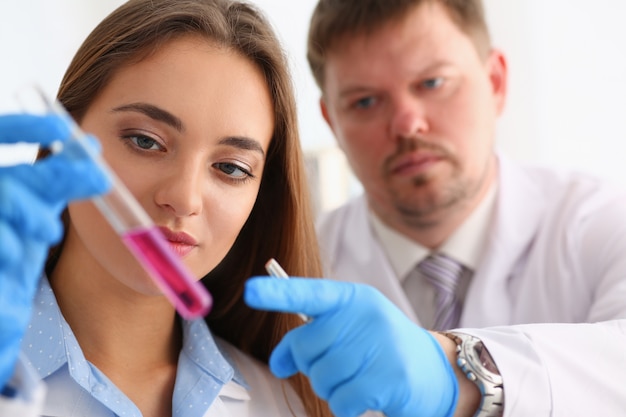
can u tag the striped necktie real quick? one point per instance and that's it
(443, 273)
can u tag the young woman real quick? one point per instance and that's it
(192, 104)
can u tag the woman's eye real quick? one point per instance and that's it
(144, 142)
(233, 170)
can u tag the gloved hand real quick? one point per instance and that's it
(31, 199)
(360, 352)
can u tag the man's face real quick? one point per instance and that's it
(414, 106)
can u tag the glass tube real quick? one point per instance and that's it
(275, 270)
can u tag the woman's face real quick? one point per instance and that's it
(187, 131)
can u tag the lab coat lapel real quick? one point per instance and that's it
(517, 215)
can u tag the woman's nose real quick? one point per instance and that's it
(180, 191)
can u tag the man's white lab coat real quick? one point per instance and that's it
(555, 261)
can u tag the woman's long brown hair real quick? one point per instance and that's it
(281, 222)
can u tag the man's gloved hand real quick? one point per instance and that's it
(31, 200)
(360, 352)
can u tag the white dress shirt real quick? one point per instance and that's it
(464, 246)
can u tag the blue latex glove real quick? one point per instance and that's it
(32, 196)
(360, 352)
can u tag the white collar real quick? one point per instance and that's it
(464, 245)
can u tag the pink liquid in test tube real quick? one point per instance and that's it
(182, 289)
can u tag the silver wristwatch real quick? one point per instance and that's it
(476, 363)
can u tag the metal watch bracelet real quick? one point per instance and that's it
(474, 360)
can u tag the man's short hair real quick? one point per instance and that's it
(334, 20)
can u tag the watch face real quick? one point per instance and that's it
(485, 358)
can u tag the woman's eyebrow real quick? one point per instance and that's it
(243, 142)
(168, 118)
(153, 112)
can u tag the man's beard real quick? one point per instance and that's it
(427, 210)
(423, 204)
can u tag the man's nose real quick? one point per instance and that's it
(408, 118)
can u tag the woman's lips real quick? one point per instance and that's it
(180, 242)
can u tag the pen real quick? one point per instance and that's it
(274, 269)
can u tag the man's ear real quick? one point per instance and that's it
(325, 114)
(498, 73)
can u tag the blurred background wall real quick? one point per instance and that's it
(567, 78)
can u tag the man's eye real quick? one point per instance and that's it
(432, 83)
(365, 102)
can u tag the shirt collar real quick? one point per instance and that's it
(403, 253)
(465, 244)
(49, 344)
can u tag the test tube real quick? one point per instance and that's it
(137, 230)
(275, 270)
